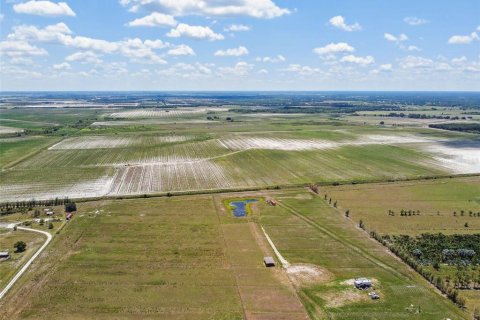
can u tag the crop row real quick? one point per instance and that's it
(110, 142)
(197, 175)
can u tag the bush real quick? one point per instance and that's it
(70, 207)
(50, 225)
(20, 246)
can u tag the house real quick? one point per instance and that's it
(363, 283)
(269, 262)
(4, 255)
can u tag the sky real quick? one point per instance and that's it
(257, 45)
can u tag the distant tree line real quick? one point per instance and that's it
(318, 108)
(420, 116)
(463, 127)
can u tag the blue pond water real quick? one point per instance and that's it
(239, 208)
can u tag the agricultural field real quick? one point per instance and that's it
(161, 158)
(176, 258)
(15, 149)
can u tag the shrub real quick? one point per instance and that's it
(20, 246)
(70, 207)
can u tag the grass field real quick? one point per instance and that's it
(306, 230)
(17, 259)
(437, 200)
(445, 206)
(14, 149)
(175, 258)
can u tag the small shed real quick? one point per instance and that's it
(4, 254)
(363, 283)
(374, 295)
(269, 262)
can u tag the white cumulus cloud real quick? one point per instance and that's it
(242, 68)
(276, 59)
(84, 57)
(62, 66)
(237, 28)
(234, 52)
(333, 48)
(196, 32)
(363, 61)
(44, 8)
(181, 50)
(415, 21)
(20, 48)
(400, 38)
(464, 39)
(265, 9)
(339, 22)
(154, 19)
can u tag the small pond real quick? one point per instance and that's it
(239, 208)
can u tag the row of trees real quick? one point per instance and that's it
(33, 203)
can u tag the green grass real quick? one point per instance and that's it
(306, 230)
(9, 267)
(14, 149)
(163, 258)
(435, 199)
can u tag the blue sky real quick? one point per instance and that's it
(240, 45)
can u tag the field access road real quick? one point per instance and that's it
(29, 262)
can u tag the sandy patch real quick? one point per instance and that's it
(457, 159)
(7, 130)
(164, 113)
(49, 190)
(308, 274)
(341, 298)
(93, 142)
(244, 143)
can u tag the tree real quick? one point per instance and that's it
(466, 225)
(361, 224)
(50, 225)
(42, 222)
(347, 213)
(70, 207)
(20, 246)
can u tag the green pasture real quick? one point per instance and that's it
(307, 230)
